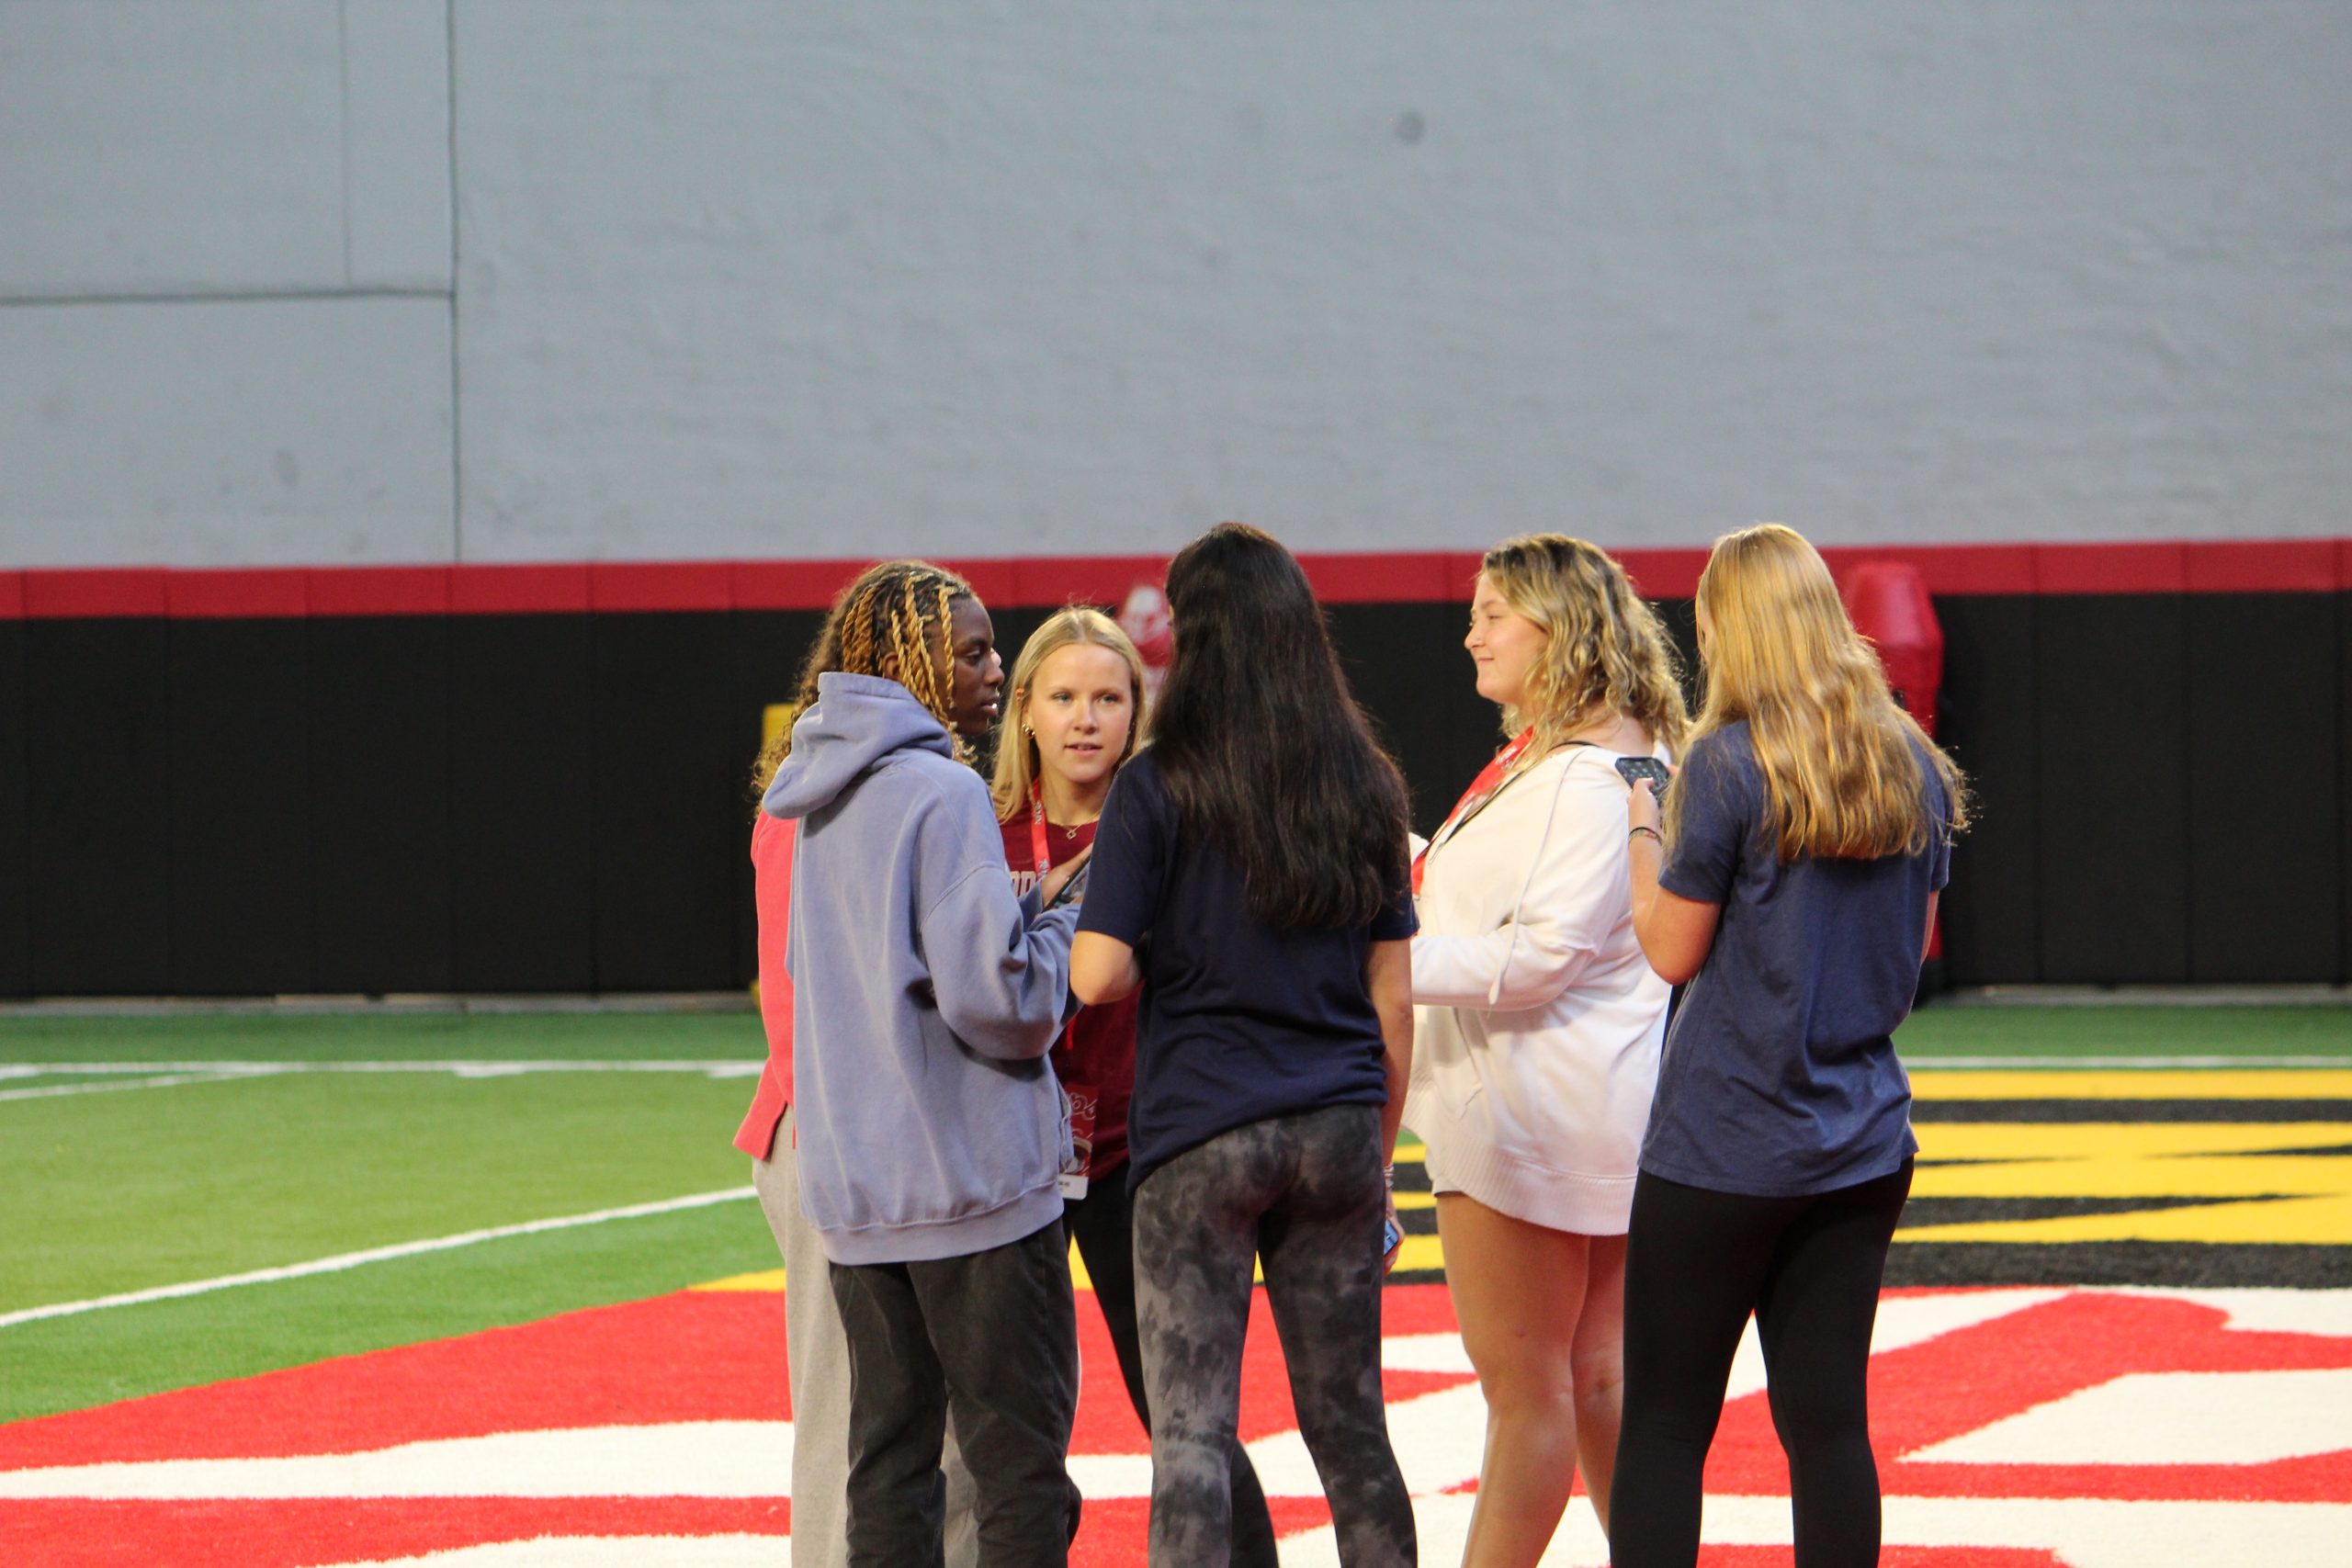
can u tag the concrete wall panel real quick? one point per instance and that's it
(170, 147)
(739, 278)
(248, 432)
(397, 116)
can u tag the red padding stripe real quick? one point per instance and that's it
(1054, 581)
(60, 595)
(277, 594)
(2220, 566)
(660, 585)
(517, 590)
(1949, 569)
(789, 584)
(381, 591)
(2111, 569)
(2262, 565)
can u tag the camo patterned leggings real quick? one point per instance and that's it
(1304, 1194)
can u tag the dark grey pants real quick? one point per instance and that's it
(1302, 1193)
(991, 1342)
(1102, 1224)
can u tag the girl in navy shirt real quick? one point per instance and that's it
(1806, 841)
(1260, 844)
(1077, 713)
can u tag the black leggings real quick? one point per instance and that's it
(1102, 1224)
(1696, 1263)
(1303, 1194)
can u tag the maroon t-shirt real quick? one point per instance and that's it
(1097, 1050)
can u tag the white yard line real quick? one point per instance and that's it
(343, 1260)
(1925, 1062)
(169, 1080)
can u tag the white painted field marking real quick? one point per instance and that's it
(2084, 1532)
(2170, 1418)
(1925, 1061)
(729, 1068)
(343, 1260)
(607, 1551)
(114, 1085)
(675, 1458)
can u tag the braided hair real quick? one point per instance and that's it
(891, 621)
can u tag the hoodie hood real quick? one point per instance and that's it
(856, 722)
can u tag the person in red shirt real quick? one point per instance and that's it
(1077, 713)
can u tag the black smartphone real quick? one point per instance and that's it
(1074, 889)
(1636, 769)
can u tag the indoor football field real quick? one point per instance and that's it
(488, 1290)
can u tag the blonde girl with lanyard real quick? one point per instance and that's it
(1538, 1023)
(1793, 885)
(1077, 711)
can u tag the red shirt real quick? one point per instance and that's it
(771, 897)
(1098, 1049)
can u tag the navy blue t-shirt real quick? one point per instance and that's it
(1240, 1022)
(1779, 1077)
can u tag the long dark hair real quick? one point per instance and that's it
(1262, 745)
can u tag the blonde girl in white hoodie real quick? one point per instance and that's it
(1539, 1023)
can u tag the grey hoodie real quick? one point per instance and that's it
(924, 994)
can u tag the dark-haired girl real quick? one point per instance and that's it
(1260, 842)
(930, 1129)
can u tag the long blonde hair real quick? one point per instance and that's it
(892, 620)
(1840, 758)
(1607, 652)
(1016, 752)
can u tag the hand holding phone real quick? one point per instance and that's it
(1634, 770)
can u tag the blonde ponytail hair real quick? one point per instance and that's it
(1841, 758)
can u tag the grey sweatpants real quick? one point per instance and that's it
(1302, 1193)
(817, 1371)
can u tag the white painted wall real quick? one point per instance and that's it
(749, 277)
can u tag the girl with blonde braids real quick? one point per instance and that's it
(1538, 1024)
(1806, 841)
(930, 1131)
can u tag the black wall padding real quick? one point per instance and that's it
(769, 648)
(381, 768)
(99, 797)
(1413, 677)
(2344, 776)
(667, 764)
(522, 795)
(1986, 720)
(2264, 864)
(16, 844)
(240, 807)
(2112, 777)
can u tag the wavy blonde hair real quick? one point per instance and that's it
(1840, 758)
(1607, 652)
(893, 620)
(1016, 752)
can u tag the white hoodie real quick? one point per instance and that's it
(1537, 1021)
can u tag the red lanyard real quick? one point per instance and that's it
(1482, 789)
(1040, 857)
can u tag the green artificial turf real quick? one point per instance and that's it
(2061, 1033)
(113, 1192)
(73, 1363)
(107, 1193)
(130, 1188)
(383, 1036)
